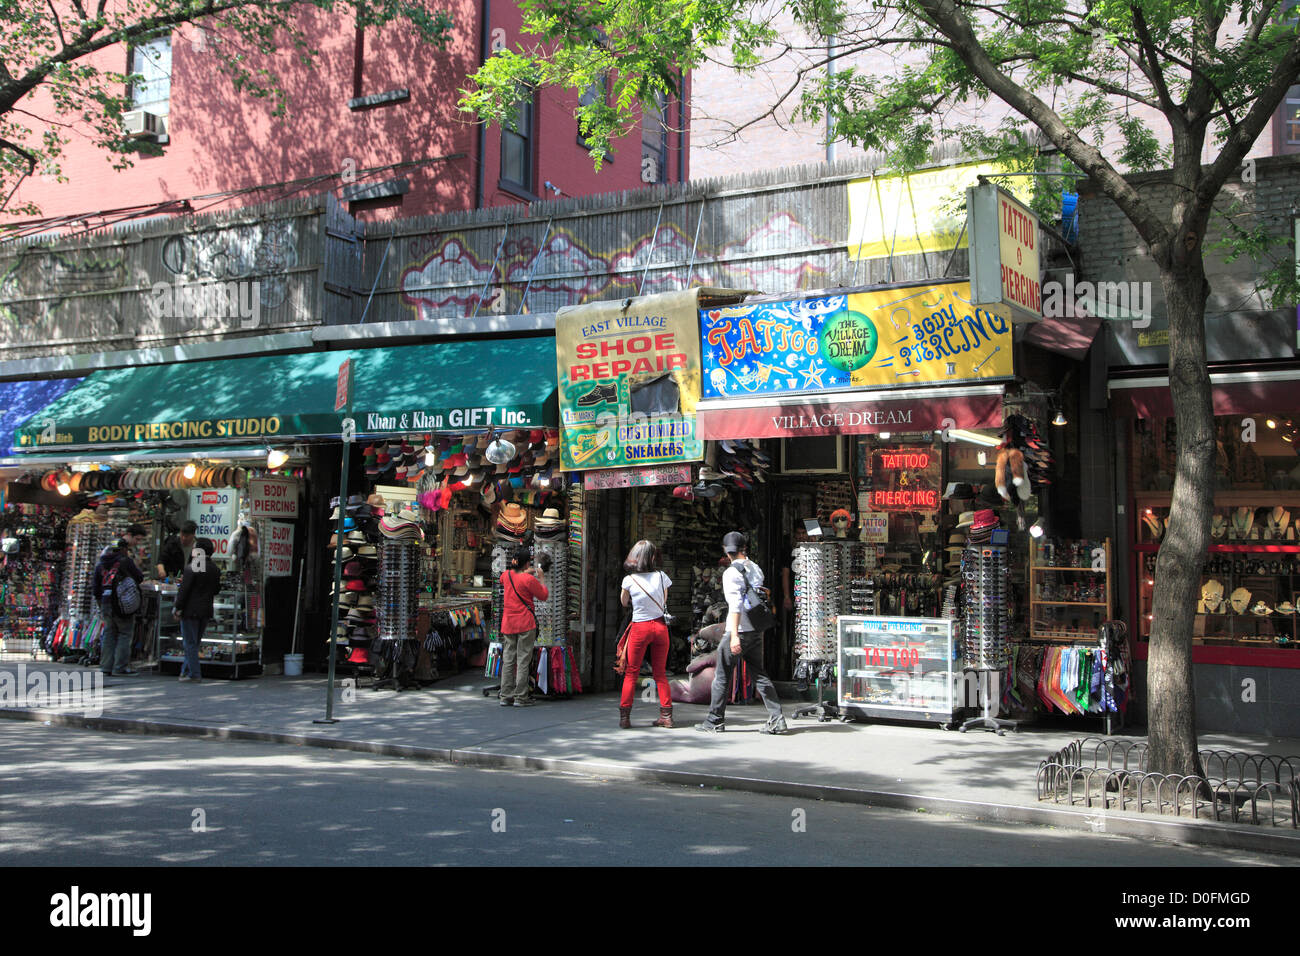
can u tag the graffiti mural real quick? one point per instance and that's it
(450, 278)
(39, 292)
(264, 251)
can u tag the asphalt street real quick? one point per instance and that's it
(83, 798)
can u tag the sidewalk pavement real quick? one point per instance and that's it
(976, 775)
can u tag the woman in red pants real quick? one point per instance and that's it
(645, 590)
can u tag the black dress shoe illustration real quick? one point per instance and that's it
(600, 394)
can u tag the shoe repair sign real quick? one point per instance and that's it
(629, 376)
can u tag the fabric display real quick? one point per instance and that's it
(454, 625)
(555, 672)
(72, 641)
(31, 574)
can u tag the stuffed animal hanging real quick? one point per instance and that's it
(1011, 465)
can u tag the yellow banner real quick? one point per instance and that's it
(911, 213)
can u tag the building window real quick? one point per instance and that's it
(517, 146)
(597, 92)
(654, 141)
(152, 62)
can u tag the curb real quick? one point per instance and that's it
(1204, 833)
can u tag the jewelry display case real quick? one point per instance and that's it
(1250, 579)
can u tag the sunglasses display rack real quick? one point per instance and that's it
(31, 572)
(398, 598)
(87, 539)
(985, 618)
(552, 614)
(829, 580)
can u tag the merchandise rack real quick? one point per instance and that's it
(1046, 576)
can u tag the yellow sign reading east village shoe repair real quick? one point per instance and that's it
(629, 381)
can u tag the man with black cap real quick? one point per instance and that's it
(119, 631)
(741, 641)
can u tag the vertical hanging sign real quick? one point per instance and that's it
(343, 389)
(1004, 252)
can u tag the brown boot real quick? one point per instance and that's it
(625, 718)
(665, 718)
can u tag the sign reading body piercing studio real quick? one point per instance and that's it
(629, 381)
(900, 336)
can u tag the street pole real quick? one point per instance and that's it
(343, 399)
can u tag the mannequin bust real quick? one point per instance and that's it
(1218, 526)
(1240, 601)
(1277, 522)
(1211, 598)
(840, 520)
(1243, 523)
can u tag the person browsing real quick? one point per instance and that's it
(519, 626)
(645, 591)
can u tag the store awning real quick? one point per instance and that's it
(451, 386)
(1233, 393)
(19, 401)
(852, 413)
(1071, 336)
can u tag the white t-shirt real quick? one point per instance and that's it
(653, 587)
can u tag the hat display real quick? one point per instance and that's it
(984, 519)
(512, 519)
(965, 519)
(959, 489)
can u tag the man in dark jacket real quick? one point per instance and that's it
(119, 630)
(176, 551)
(200, 582)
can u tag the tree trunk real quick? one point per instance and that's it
(1171, 704)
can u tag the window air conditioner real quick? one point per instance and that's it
(142, 124)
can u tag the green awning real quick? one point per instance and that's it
(448, 386)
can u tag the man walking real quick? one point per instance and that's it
(740, 641)
(119, 631)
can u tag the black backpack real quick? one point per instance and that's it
(122, 587)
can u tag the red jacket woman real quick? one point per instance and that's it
(519, 627)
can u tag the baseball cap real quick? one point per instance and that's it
(733, 542)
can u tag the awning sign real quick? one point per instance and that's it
(636, 477)
(629, 381)
(881, 339)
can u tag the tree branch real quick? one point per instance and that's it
(945, 17)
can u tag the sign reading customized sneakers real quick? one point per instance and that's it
(629, 377)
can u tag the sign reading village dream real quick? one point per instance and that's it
(629, 377)
(893, 337)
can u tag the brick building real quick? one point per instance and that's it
(373, 119)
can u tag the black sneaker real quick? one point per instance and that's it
(709, 728)
(599, 395)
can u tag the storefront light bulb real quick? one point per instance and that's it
(65, 489)
(1038, 529)
(982, 458)
(1060, 419)
(1287, 438)
(1270, 423)
(884, 436)
(276, 458)
(190, 471)
(430, 459)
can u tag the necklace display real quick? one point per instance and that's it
(1240, 601)
(1211, 598)
(1218, 526)
(1243, 519)
(1277, 524)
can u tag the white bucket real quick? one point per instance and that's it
(292, 665)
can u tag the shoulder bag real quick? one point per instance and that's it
(760, 615)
